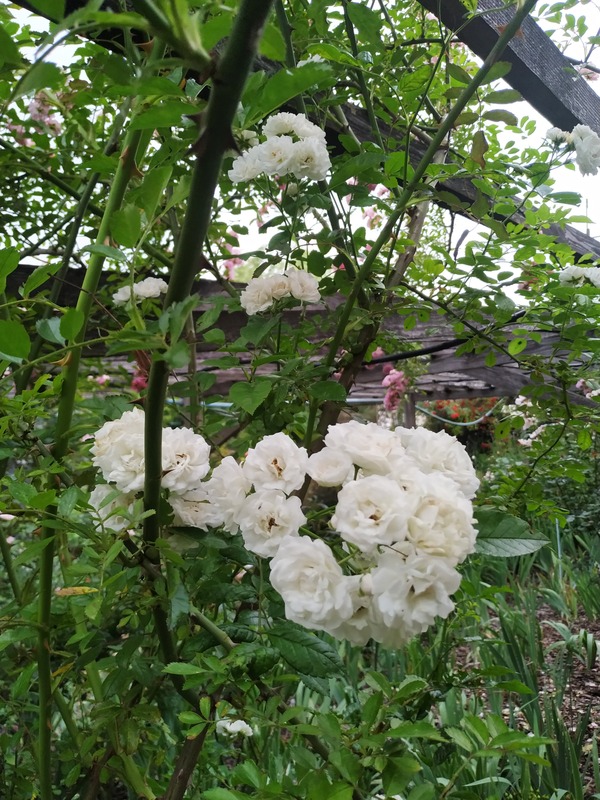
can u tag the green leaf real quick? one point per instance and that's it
(152, 188)
(9, 52)
(126, 226)
(398, 771)
(501, 115)
(328, 390)
(304, 651)
(286, 84)
(517, 345)
(498, 70)
(221, 794)
(38, 277)
(9, 261)
(32, 551)
(112, 253)
(180, 668)
(503, 535)
(272, 44)
(170, 113)
(367, 22)
(71, 323)
(466, 118)
(355, 167)
(250, 395)
(49, 329)
(417, 730)
(14, 341)
(570, 198)
(52, 9)
(425, 791)
(503, 96)
(459, 74)
(42, 75)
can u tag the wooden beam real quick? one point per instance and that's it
(546, 79)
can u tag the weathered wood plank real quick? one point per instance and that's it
(545, 78)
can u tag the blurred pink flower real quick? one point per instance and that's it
(139, 382)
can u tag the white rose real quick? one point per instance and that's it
(122, 296)
(267, 518)
(314, 589)
(310, 159)
(368, 446)
(556, 135)
(587, 149)
(256, 296)
(442, 523)
(303, 286)
(261, 293)
(246, 167)
(330, 467)
(408, 594)
(185, 457)
(373, 511)
(118, 451)
(279, 285)
(296, 124)
(107, 503)
(359, 628)
(440, 452)
(571, 275)
(276, 463)
(194, 509)
(233, 728)
(275, 155)
(227, 490)
(149, 287)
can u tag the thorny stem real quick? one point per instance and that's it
(229, 80)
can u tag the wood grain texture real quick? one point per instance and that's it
(545, 78)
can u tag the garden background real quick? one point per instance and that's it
(247, 247)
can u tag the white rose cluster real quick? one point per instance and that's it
(262, 292)
(118, 452)
(586, 144)
(293, 146)
(403, 522)
(577, 276)
(149, 287)
(385, 565)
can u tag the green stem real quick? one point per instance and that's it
(10, 570)
(404, 199)
(229, 81)
(127, 163)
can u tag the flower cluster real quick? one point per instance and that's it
(232, 728)
(396, 383)
(262, 292)
(586, 144)
(149, 287)
(403, 521)
(118, 452)
(576, 276)
(293, 146)
(385, 567)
